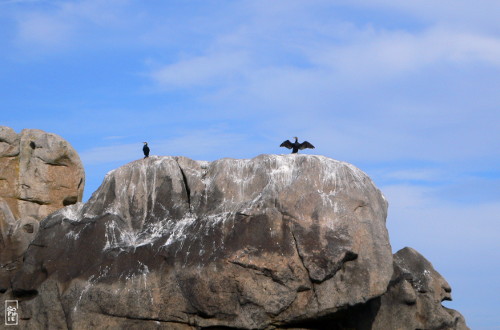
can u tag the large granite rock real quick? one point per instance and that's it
(414, 296)
(274, 241)
(39, 173)
(412, 301)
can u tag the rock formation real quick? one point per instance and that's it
(414, 297)
(289, 241)
(39, 174)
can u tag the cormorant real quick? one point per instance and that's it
(296, 146)
(145, 149)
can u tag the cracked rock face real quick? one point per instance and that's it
(273, 241)
(414, 297)
(39, 173)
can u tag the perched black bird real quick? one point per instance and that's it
(145, 149)
(296, 146)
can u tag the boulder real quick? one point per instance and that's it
(39, 173)
(412, 301)
(414, 296)
(277, 241)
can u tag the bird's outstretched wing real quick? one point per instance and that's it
(305, 145)
(287, 144)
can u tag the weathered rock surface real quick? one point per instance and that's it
(269, 241)
(39, 173)
(289, 241)
(413, 299)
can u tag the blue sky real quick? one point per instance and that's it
(408, 91)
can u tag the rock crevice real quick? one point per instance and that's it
(39, 174)
(272, 242)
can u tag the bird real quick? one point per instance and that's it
(296, 146)
(145, 149)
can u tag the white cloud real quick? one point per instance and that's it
(109, 13)
(393, 83)
(44, 30)
(371, 56)
(478, 15)
(202, 70)
(459, 239)
(328, 79)
(53, 27)
(251, 63)
(423, 219)
(7, 2)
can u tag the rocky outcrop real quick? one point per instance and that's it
(241, 243)
(288, 241)
(414, 297)
(39, 174)
(412, 301)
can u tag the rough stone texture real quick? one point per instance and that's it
(14, 240)
(274, 241)
(413, 299)
(39, 174)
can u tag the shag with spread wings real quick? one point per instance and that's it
(296, 146)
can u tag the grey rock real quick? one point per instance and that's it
(39, 173)
(269, 242)
(16, 235)
(9, 142)
(413, 299)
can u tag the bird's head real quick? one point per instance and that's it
(296, 138)
(145, 143)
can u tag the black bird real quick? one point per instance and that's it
(145, 149)
(296, 146)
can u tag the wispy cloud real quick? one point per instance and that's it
(41, 30)
(460, 239)
(406, 90)
(58, 26)
(197, 71)
(417, 211)
(7, 2)
(369, 57)
(376, 55)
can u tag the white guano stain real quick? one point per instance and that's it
(275, 174)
